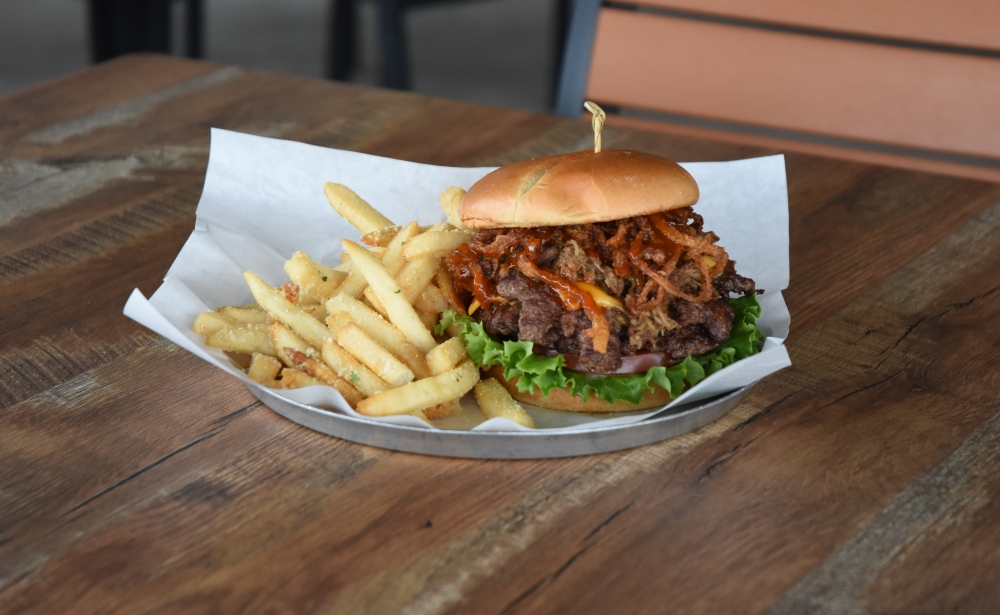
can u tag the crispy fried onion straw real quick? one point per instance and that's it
(697, 248)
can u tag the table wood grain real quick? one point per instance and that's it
(863, 479)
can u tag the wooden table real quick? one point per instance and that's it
(862, 479)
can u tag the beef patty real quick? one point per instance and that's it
(650, 320)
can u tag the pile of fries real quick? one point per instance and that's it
(364, 327)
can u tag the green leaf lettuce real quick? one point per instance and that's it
(541, 373)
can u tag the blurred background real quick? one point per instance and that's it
(499, 52)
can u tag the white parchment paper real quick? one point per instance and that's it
(263, 200)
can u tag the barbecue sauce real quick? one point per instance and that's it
(526, 248)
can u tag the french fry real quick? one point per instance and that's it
(375, 302)
(264, 369)
(451, 201)
(422, 394)
(442, 410)
(383, 236)
(351, 370)
(292, 378)
(291, 292)
(380, 330)
(400, 312)
(208, 323)
(428, 319)
(337, 320)
(354, 285)
(447, 286)
(446, 355)
(317, 311)
(246, 339)
(272, 300)
(393, 256)
(325, 375)
(354, 209)
(431, 301)
(414, 277)
(282, 337)
(246, 314)
(496, 402)
(313, 278)
(355, 341)
(435, 243)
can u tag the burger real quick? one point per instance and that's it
(592, 285)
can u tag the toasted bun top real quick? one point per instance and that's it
(577, 188)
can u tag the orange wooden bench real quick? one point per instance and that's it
(910, 83)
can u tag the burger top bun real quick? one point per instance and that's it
(577, 188)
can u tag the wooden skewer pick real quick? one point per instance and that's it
(597, 122)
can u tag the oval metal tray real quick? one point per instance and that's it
(504, 445)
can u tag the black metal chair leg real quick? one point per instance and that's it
(340, 52)
(562, 17)
(395, 73)
(125, 26)
(193, 30)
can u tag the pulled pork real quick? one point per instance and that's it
(667, 275)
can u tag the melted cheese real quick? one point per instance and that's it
(602, 298)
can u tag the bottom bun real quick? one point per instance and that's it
(561, 399)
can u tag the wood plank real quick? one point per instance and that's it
(959, 23)
(869, 93)
(926, 533)
(78, 95)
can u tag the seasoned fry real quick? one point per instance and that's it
(446, 355)
(447, 286)
(355, 209)
(422, 394)
(292, 378)
(496, 402)
(442, 410)
(354, 285)
(325, 375)
(208, 323)
(249, 314)
(393, 257)
(379, 330)
(428, 319)
(317, 311)
(414, 277)
(264, 369)
(291, 292)
(431, 301)
(351, 370)
(355, 341)
(383, 236)
(400, 312)
(435, 243)
(272, 300)
(313, 278)
(246, 339)
(282, 337)
(375, 302)
(451, 201)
